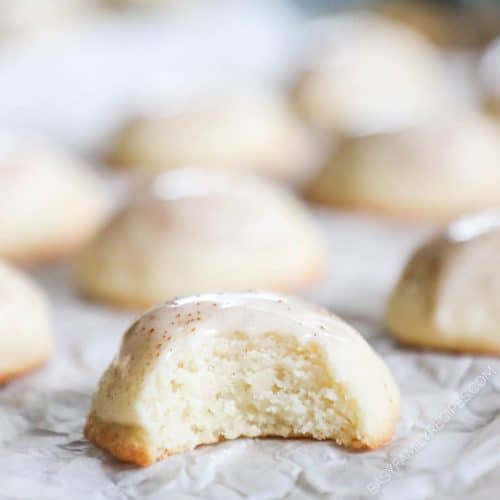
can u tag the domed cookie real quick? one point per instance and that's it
(448, 296)
(213, 367)
(25, 333)
(201, 230)
(434, 171)
(252, 130)
(366, 75)
(50, 204)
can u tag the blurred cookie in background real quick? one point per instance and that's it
(448, 296)
(489, 78)
(196, 230)
(437, 21)
(50, 202)
(362, 74)
(432, 171)
(19, 18)
(448, 24)
(253, 130)
(25, 331)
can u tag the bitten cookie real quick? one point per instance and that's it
(364, 74)
(431, 172)
(25, 333)
(199, 230)
(50, 203)
(448, 296)
(213, 367)
(254, 130)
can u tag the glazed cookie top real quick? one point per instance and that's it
(471, 226)
(453, 160)
(252, 129)
(456, 144)
(216, 206)
(448, 296)
(216, 313)
(195, 230)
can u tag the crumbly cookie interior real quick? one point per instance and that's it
(239, 385)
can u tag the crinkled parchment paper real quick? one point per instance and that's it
(447, 444)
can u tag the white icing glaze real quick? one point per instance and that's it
(470, 226)
(255, 312)
(185, 320)
(194, 181)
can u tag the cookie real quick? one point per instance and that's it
(50, 202)
(253, 130)
(363, 74)
(215, 367)
(196, 230)
(430, 172)
(25, 331)
(448, 296)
